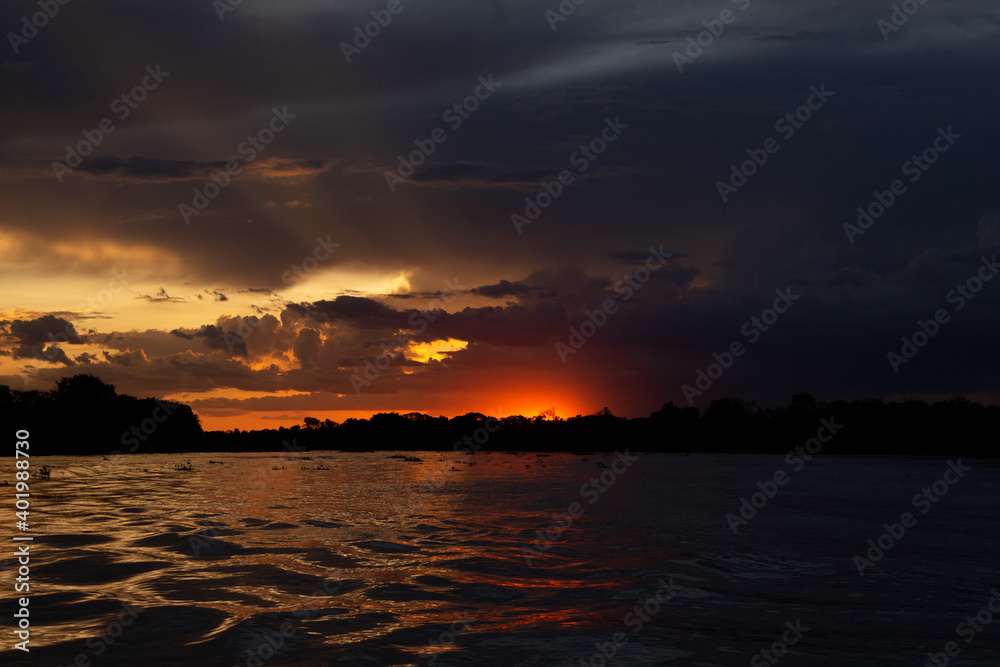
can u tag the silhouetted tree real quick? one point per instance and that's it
(84, 415)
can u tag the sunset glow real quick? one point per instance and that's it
(499, 332)
(286, 238)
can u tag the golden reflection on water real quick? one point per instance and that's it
(372, 561)
(243, 541)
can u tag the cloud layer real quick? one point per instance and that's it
(250, 296)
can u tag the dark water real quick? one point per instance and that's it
(380, 561)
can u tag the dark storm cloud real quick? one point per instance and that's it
(512, 325)
(141, 168)
(502, 289)
(636, 256)
(680, 277)
(42, 330)
(307, 348)
(57, 354)
(127, 358)
(183, 372)
(565, 283)
(161, 297)
(138, 169)
(658, 183)
(479, 175)
(51, 354)
(794, 37)
(217, 339)
(358, 312)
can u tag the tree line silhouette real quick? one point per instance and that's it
(84, 415)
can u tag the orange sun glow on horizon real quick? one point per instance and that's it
(503, 401)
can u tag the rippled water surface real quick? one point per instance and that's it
(359, 559)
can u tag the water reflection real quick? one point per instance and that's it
(359, 558)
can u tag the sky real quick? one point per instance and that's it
(502, 206)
